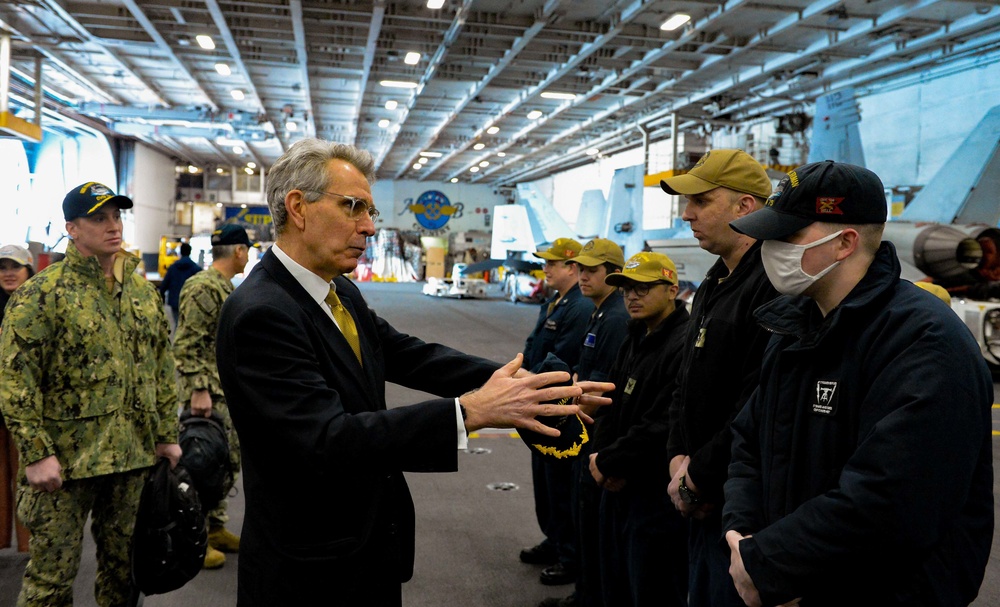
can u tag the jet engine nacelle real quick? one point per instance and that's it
(943, 252)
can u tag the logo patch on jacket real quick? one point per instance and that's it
(550, 325)
(826, 398)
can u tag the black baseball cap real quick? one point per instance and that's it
(231, 234)
(828, 191)
(86, 199)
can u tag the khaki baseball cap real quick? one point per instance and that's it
(645, 267)
(600, 251)
(733, 169)
(17, 254)
(561, 250)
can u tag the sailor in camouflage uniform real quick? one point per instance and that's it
(87, 389)
(198, 385)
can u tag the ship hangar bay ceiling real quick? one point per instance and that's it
(516, 89)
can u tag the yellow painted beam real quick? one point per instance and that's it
(11, 124)
(654, 179)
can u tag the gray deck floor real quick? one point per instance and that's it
(468, 536)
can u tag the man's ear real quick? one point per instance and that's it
(71, 229)
(745, 205)
(848, 242)
(295, 208)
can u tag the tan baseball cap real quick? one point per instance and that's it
(18, 254)
(733, 169)
(600, 251)
(645, 267)
(561, 250)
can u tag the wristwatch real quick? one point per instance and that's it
(689, 496)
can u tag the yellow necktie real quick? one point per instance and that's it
(345, 322)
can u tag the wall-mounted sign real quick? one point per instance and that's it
(433, 209)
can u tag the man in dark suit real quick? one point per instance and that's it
(303, 363)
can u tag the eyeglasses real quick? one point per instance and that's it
(641, 289)
(354, 206)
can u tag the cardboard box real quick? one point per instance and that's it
(434, 257)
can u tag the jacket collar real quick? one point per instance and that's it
(90, 267)
(799, 315)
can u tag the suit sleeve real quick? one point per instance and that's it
(281, 393)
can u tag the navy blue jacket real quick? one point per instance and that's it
(560, 332)
(863, 464)
(177, 274)
(606, 331)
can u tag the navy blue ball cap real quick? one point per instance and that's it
(88, 198)
(828, 191)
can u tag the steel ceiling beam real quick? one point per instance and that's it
(520, 43)
(374, 29)
(301, 52)
(432, 66)
(162, 45)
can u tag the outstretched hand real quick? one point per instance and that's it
(513, 398)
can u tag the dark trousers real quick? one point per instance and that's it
(586, 522)
(710, 582)
(553, 480)
(643, 548)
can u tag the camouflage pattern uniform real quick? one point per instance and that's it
(86, 375)
(194, 352)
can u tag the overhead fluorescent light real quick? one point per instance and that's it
(493, 130)
(252, 165)
(593, 152)
(412, 58)
(237, 94)
(479, 146)
(501, 154)
(391, 104)
(218, 170)
(398, 84)
(205, 42)
(534, 114)
(473, 169)
(237, 150)
(291, 125)
(431, 154)
(383, 124)
(675, 22)
(484, 163)
(192, 168)
(417, 165)
(248, 171)
(223, 69)
(554, 95)
(454, 179)
(435, 4)
(423, 160)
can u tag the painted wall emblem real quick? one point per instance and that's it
(433, 210)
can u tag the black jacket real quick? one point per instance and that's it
(863, 465)
(560, 332)
(720, 368)
(632, 435)
(327, 507)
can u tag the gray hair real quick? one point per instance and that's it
(303, 167)
(225, 251)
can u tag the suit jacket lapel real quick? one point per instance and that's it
(336, 345)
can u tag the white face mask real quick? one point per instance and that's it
(783, 264)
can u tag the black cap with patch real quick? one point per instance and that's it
(86, 199)
(828, 191)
